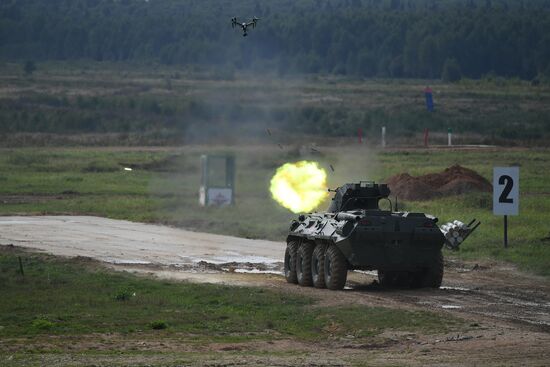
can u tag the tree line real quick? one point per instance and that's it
(366, 38)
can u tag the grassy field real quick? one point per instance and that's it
(74, 300)
(526, 231)
(163, 188)
(152, 104)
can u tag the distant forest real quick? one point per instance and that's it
(448, 39)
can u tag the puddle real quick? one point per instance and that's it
(367, 272)
(455, 289)
(237, 258)
(127, 262)
(255, 271)
(235, 264)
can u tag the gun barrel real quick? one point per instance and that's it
(347, 216)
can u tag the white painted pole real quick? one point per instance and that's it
(383, 136)
(449, 137)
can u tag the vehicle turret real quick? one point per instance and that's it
(353, 196)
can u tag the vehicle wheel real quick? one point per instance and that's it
(336, 268)
(303, 264)
(318, 266)
(290, 262)
(418, 278)
(433, 275)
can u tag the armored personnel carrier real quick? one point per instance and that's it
(355, 234)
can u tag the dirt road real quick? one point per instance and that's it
(123, 242)
(512, 307)
(494, 290)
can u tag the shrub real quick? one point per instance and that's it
(42, 324)
(124, 294)
(159, 325)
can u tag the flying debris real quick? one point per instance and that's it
(244, 26)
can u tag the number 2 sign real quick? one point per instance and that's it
(505, 190)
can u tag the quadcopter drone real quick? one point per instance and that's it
(244, 26)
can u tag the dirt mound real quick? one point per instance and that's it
(454, 180)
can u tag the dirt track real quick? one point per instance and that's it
(123, 242)
(513, 308)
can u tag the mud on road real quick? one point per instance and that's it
(511, 307)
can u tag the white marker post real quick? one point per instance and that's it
(383, 136)
(506, 194)
(449, 136)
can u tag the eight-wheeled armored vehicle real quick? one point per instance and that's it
(355, 234)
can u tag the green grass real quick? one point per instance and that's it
(77, 296)
(163, 188)
(526, 230)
